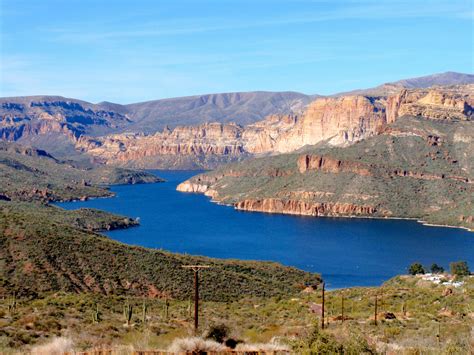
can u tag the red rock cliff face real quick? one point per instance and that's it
(331, 165)
(299, 207)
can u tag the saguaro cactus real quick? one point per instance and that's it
(96, 314)
(144, 310)
(12, 304)
(127, 313)
(166, 307)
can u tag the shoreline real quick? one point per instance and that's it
(422, 222)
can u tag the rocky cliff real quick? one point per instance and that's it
(336, 121)
(305, 208)
(445, 103)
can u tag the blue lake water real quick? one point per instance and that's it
(346, 251)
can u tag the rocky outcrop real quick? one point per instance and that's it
(188, 186)
(340, 120)
(444, 103)
(300, 207)
(331, 165)
(36, 128)
(205, 140)
(328, 164)
(38, 114)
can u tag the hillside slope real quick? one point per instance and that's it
(30, 174)
(46, 249)
(239, 107)
(416, 168)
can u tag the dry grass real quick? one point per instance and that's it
(263, 347)
(57, 346)
(195, 344)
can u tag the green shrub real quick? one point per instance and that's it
(459, 268)
(436, 269)
(218, 332)
(415, 269)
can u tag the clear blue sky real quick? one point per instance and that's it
(137, 50)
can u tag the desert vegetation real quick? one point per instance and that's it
(414, 315)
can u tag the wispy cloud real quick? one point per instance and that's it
(347, 10)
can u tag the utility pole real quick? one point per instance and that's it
(342, 307)
(375, 311)
(322, 308)
(196, 269)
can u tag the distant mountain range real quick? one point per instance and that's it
(147, 117)
(196, 131)
(422, 82)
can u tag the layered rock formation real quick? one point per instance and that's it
(328, 164)
(23, 116)
(340, 120)
(335, 121)
(446, 103)
(304, 208)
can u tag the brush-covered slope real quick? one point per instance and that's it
(30, 174)
(416, 168)
(46, 249)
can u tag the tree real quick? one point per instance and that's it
(436, 269)
(459, 268)
(415, 269)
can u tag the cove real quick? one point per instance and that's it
(346, 251)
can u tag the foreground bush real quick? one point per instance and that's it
(195, 345)
(57, 346)
(459, 268)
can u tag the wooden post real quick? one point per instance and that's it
(196, 269)
(375, 311)
(196, 299)
(382, 309)
(322, 309)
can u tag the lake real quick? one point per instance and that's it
(346, 251)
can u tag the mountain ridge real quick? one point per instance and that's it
(209, 130)
(152, 109)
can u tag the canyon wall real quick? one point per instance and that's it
(337, 121)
